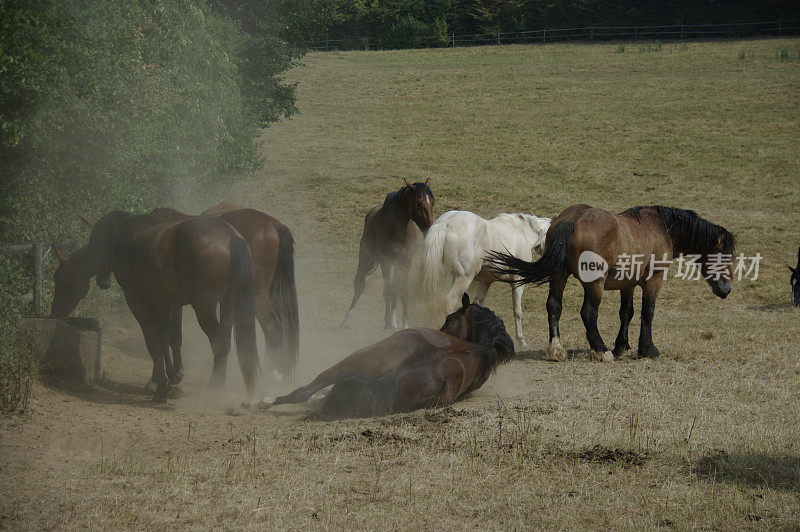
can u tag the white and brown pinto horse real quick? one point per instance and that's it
(453, 257)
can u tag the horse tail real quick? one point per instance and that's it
(356, 395)
(283, 296)
(430, 271)
(241, 278)
(551, 266)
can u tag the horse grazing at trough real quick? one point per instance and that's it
(795, 281)
(161, 266)
(272, 248)
(413, 368)
(599, 248)
(392, 233)
(453, 257)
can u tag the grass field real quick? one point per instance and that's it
(707, 436)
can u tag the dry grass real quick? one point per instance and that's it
(706, 436)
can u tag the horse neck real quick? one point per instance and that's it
(84, 262)
(396, 210)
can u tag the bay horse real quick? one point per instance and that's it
(582, 234)
(392, 233)
(413, 368)
(453, 257)
(794, 280)
(272, 248)
(161, 266)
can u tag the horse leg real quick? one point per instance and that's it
(649, 295)
(401, 274)
(625, 315)
(175, 343)
(389, 297)
(516, 299)
(219, 336)
(366, 263)
(555, 351)
(592, 296)
(480, 294)
(273, 339)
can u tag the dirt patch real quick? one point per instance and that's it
(603, 455)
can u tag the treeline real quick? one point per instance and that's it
(130, 105)
(411, 23)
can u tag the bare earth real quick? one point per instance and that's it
(707, 436)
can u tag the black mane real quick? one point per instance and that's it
(488, 330)
(396, 197)
(689, 232)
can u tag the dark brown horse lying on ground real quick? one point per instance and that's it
(413, 368)
(392, 233)
(272, 248)
(581, 236)
(162, 266)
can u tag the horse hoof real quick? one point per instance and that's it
(608, 356)
(649, 352)
(556, 352)
(265, 403)
(151, 386)
(161, 393)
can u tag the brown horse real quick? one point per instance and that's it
(413, 368)
(161, 266)
(392, 232)
(272, 248)
(595, 246)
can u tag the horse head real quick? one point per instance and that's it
(71, 282)
(419, 201)
(795, 281)
(715, 265)
(477, 324)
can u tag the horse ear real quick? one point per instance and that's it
(793, 270)
(60, 255)
(87, 221)
(465, 300)
(428, 182)
(409, 185)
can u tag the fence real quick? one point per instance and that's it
(590, 33)
(39, 251)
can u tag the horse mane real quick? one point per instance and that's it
(689, 232)
(395, 198)
(489, 331)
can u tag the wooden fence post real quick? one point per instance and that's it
(498, 36)
(544, 35)
(38, 263)
(779, 28)
(636, 33)
(681, 31)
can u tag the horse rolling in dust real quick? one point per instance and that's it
(162, 266)
(392, 233)
(272, 248)
(453, 257)
(413, 368)
(794, 280)
(654, 232)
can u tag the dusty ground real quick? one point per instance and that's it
(706, 436)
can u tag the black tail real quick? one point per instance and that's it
(356, 395)
(241, 276)
(552, 265)
(283, 297)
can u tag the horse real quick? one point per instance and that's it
(161, 266)
(272, 247)
(453, 257)
(392, 233)
(411, 369)
(595, 246)
(794, 280)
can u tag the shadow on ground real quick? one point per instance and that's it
(775, 472)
